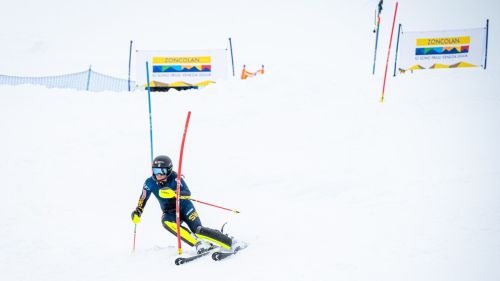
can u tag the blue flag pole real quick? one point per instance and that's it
(231, 48)
(150, 118)
(376, 43)
(397, 48)
(486, 53)
(129, 63)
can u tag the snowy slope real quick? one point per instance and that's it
(332, 185)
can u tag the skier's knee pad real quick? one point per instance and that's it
(214, 236)
(185, 233)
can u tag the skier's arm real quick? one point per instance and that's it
(136, 214)
(170, 192)
(185, 193)
(146, 192)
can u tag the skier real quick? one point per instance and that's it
(380, 3)
(377, 15)
(163, 184)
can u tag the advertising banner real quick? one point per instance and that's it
(181, 69)
(442, 49)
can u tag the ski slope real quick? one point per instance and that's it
(331, 184)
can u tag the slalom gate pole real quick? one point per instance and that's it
(397, 49)
(227, 209)
(133, 245)
(129, 63)
(231, 48)
(150, 118)
(486, 51)
(179, 172)
(389, 53)
(376, 44)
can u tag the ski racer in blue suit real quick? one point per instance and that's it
(163, 185)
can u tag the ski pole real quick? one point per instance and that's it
(135, 231)
(227, 209)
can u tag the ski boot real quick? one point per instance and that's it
(203, 246)
(214, 236)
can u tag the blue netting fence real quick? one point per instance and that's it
(88, 80)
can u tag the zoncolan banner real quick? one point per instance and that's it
(442, 49)
(181, 69)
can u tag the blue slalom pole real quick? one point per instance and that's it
(129, 63)
(486, 54)
(231, 48)
(376, 44)
(150, 118)
(397, 48)
(88, 77)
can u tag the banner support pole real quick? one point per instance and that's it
(397, 49)
(486, 54)
(129, 63)
(231, 49)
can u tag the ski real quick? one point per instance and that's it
(183, 260)
(220, 255)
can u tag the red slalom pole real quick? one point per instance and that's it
(389, 53)
(227, 209)
(179, 172)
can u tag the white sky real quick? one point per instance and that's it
(58, 36)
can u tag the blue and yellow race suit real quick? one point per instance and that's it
(188, 213)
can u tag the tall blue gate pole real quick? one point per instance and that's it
(88, 77)
(486, 54)
(376, 44)
(129, 63)
(231, 48)
(397, 48)
(150, 118)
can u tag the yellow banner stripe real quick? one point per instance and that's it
(181, 60)
(460, 40)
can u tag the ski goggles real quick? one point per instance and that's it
(160, 171)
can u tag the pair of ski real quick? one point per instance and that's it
(217, 255)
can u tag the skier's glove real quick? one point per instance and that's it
(136, 215)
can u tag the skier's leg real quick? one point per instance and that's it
(168, 221)
(191, 217)
(214, 236)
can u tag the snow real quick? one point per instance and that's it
(331, 184)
